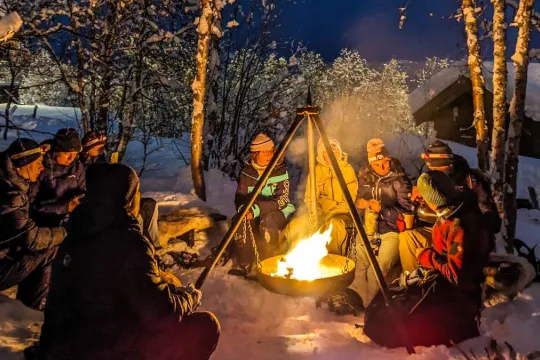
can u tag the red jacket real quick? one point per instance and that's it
(461, 244)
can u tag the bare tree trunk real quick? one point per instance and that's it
(199, 89)
(500, 73)
(211, 124)
(475, 66)
(517, 115)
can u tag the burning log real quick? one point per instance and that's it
(307, 270)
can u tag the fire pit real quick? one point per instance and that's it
(308, 270)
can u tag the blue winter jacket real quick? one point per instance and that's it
(393, 191)
(57, 185)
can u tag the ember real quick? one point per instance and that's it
(304, 261)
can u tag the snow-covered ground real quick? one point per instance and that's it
(258, 324)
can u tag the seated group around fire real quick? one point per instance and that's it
(66, 214)
(78, 242)
(437, 235)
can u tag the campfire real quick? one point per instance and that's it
(304, 262)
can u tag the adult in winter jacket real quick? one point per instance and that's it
(445, 309)
(26, 250)
(62, 184)
(93, 149)
(441, 158)
(108, 298)
(384, 193)
(332, 207)
(270, 212)
(94, 153)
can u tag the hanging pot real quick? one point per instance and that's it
(339, 277)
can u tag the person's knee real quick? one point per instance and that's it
(273, 220)
(204, 323)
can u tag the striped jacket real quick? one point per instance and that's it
(274, 195)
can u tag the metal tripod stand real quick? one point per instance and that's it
(311, 114)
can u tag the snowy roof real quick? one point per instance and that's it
(446, 77)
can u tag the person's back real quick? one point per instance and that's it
(108, 298)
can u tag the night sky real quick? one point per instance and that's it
(372, 28)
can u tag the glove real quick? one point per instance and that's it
(171, 279)
(194, 294)
(362, 203)
(400, 222)
(375, 205)
(73, 203)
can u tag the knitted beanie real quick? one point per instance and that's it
(92, 139)
(23, 151)
(261, 143)
(439, 148)
(66, 140)
(436, 188)
(376, 147)
(112, 184)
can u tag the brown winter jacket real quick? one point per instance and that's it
(108, 299)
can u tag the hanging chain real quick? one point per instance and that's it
(351, 250)
(312, 220)
(248, 227)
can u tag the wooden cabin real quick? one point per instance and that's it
(446, 101)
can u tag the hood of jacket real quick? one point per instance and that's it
(10, 180)
(342, 159)
(90, 219)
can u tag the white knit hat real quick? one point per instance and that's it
(261, 143)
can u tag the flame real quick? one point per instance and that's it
(304, 261)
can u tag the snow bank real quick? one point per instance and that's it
(164, 159)
(446, 77)
(258, 324)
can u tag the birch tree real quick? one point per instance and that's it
(199, 89)
(517, 116)
(500, 73)
(475, 66)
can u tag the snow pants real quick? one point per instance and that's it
(194, 338)
(409, 241)
(31, 272)
(265, 229)
(149, 215)
(365, 282)
(443, 314)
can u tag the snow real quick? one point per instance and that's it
(164, 160)
(258, 324)
(446, 77)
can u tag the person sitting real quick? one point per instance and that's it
(383, 190)
(108, 299)
(61, 185)
(93, 148)
(439, 156)
(332, 208)
(443, 307)
(94, 153)
(268, 215)
(26, 250)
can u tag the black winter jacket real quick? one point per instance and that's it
(19, 233)
(89, 160)
(465, 177)
(108, 299)
(57, 185)
(393, 191)
(274, 195)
